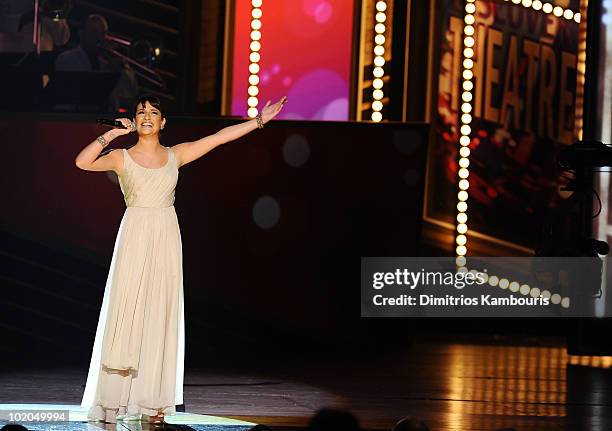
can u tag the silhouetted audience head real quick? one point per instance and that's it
(13, 427)
(328, 419)
(260, 427)
(409, 423)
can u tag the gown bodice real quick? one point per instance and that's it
(148, 187)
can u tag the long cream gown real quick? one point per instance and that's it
(141, 325)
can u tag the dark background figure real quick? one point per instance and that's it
(90, 56)
(17, 26)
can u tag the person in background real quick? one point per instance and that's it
(89, 56)
(17, 27)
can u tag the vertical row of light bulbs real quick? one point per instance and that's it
(465, 129)
(379, 60)
(254, 57)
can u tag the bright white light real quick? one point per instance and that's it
(464, 184)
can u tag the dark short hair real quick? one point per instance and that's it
(152, 99)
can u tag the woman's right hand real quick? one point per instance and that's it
(127, 123)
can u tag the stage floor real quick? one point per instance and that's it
(451, 384)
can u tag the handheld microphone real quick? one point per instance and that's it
(112, 123)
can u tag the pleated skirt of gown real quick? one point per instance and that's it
(138, 356)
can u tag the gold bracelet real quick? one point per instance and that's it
(260, 122)
(102, 140)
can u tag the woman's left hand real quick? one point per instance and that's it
(270, 111)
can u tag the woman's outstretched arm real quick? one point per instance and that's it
(190, 151)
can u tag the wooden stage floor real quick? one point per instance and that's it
(451, 384)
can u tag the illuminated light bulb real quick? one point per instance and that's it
(461, 207)
(256, 13)
(568, 14)
(514, 286)
(493, 280)
(461, 250)
(466, 107)
(465, 129)
(376, 116)
(462, 218)
(466, 96)
(462, 195)
(381, 6)
(379, 61)
(468, 86)
(577, 17)
(464, 140)
(377, 94)
(504, 283)
(377, 83)
(379, 50)
(464, 162)
(484, 277)
(462, 228)
(252, 101)
(557, 11)
(256, 3)
(466, 118)
(377, 105)
(255, 35)
(525, 289)
(547, 8)
(253, 68)
(464, 152)
(468, 74)
(464, 184)
(468, 63)
(255, 46)
(565, 302)
(469, 19)
(468, 41)
(252, 112)
(535, 292)
(463, 173)
(468, 30)
(527, 3)
(253, 90)
(379, 72)
(381, 17)
(516, 1)
(379, 28)
(555, 298)
(468, 52)
(379, 39)
(461, 240)
(545, 294)
(470, 8)
(254, 57)
(253, 79)
(460, 261)
(537, 4)
(255, 24)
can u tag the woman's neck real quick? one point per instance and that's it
(148, 143)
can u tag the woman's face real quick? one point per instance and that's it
(148, 119)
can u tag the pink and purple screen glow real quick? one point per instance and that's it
(305, 54)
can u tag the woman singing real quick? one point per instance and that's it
(136, 368)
